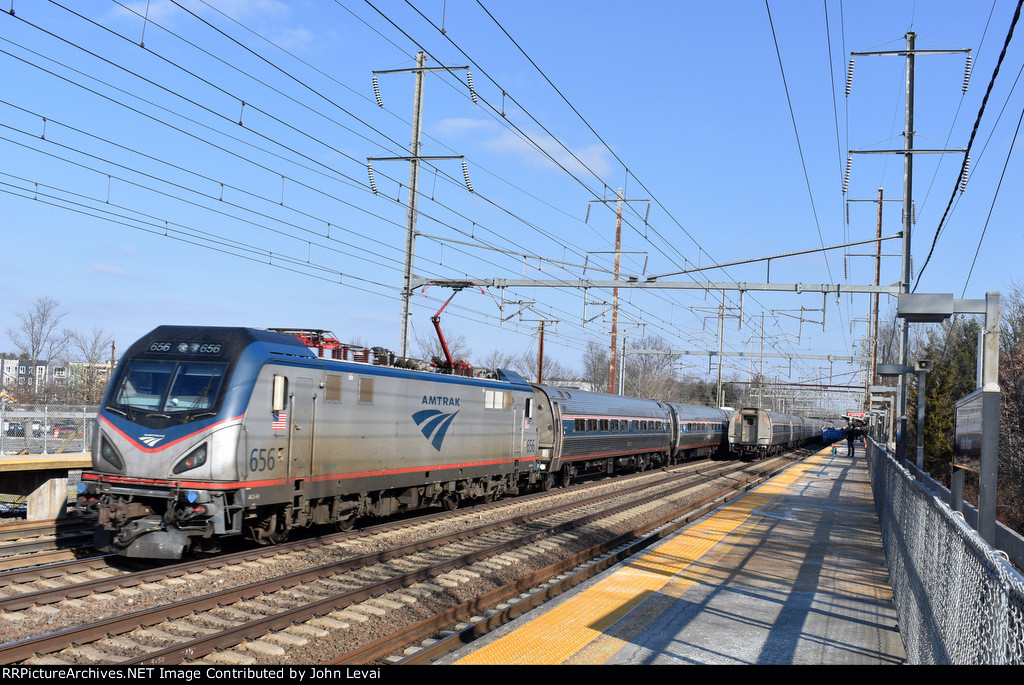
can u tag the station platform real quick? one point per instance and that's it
(36, 462)
(791, 573)
(41, 480)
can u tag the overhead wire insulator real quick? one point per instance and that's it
(847, 213)
(469, 80)
(913, 211)
(587, 220)
(647, 215)
(845, 273)
(373, 185)
(465, 173)
(846, 176)
(967, 72)
(964, 173)
(849, 77)
(376, 92)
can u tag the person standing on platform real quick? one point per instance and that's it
(851, 436)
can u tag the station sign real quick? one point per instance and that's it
(969, 422)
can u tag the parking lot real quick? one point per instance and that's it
(46, 430)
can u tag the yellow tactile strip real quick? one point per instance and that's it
(574, 632)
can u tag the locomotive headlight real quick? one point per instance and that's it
(108, 452)
(193, 459)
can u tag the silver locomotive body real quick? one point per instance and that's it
(274, 437)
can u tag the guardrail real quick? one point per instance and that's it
(959, 601)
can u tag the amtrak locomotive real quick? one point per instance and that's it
(206, 433)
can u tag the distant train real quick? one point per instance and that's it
(755, 432)
(206, 433)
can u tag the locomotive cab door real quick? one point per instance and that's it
(300, 437)
(517, 430)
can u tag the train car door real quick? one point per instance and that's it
(749, 429)
(300, 439)
(517, 429)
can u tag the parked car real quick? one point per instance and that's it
(37, 428)
(15, 429)
(65, 426)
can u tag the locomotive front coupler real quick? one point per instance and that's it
(186, 505)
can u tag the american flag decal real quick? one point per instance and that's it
(280, 421)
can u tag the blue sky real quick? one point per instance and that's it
(216, 173)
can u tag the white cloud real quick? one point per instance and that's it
(538, 150)
(293, 39)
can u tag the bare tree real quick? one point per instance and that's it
(650, 375)
(430, 346)
(38, 334)
(497, 359)
(596, 364)
(526, 365)
(93, 350)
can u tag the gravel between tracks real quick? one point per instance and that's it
(320, 640)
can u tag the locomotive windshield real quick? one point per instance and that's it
(169, 386)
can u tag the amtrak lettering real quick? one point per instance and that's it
(440, 401)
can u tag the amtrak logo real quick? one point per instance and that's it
(434, 424)
(150, 440)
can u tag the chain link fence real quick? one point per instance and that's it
(43, 430)
(959, 601)
(46, 429)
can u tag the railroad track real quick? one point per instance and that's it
(320, 602)
(30, 543)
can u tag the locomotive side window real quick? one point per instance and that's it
(279, 401)
(497, 399)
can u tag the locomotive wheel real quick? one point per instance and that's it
(548, 482)
(450, 502)
(566, 476)
(267, 531)
(346, 524)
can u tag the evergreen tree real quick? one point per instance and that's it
(953, 349)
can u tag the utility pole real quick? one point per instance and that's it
(721, 342)
(414, 177)
(615, 294)
(414, 160)
(540, 354)
(908, 198)
(872, 373)
(878, 276)
(908, 152)
(612, 356)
